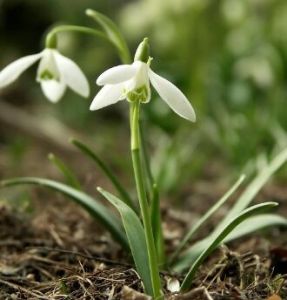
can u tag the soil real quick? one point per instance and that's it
(58, 252)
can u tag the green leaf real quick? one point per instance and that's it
(250, 225)
(244, 200)
(219, 238)
(254, 187)
(256, 223)
(157, 226)
(96, 209)
(136, 238)
(71, 179)
(206, 216)
(92, 155)
(146, 162)
(113, 34)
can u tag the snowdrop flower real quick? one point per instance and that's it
(132, 82)
(55, 73)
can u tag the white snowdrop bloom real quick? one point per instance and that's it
(55, 73)
(132, 82)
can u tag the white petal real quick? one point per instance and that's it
(48, 65)
(109, 94)
(72, 75)
(117, 74)
(140, 78)
(172, 96)
(16, 68)
(53, 90)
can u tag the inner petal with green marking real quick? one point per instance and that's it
(48, 75)
(141, 94)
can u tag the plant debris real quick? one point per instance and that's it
(52, 254)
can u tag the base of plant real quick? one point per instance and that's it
(67, 262)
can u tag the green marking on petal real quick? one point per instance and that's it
(141, 94)
(47, 75)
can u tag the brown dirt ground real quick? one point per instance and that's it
(58, 252)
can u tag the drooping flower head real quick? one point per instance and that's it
(132, 82)
(55, 73)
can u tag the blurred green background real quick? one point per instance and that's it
(229, 57)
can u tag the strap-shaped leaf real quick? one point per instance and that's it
(113, 34)
(146, 162)
(157, 226)
(254, 187)
(244, 200)
(206, 216)
(254, 224)
(219, 238)
(250, 225)
(136, 238)
(70, 177)
(96, 209)
(101, 164)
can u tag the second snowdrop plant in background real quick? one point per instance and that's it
(55, 73)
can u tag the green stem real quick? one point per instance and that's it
(51, 41)
(157, 226)
(154, 201)
(145, 212)
(149, 180)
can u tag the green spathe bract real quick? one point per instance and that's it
(142, 52)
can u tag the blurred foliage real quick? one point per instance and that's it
(228, 56)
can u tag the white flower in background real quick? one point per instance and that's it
(55, 73)
(132, 82)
